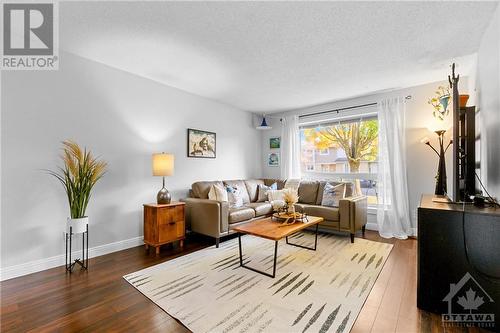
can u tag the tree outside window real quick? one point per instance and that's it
(352, 146)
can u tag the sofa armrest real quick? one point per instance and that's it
(353, 213)
(207, 217)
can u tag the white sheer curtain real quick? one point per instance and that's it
(393, 213)
(290, 148)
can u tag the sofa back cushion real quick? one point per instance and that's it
(240, 184)
(348, 189)
(252, 186)
(308, 192)
(200, 189)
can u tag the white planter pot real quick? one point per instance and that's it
(78, 225)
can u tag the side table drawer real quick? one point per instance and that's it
(167, 215)
(171, 231)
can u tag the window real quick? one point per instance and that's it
(346, 150)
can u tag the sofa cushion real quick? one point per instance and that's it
(328, 213)
(308, 192)
(241, 214)
(217, 193)
(276, 195)
(239, 184)
(261, 208)
(332, 195)
(279, 182)
(235, 196)
(262, 191)
(321, 188)
(200, 189)
(293, 184)
(252, 186)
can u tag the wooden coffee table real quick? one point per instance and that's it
(273, 230)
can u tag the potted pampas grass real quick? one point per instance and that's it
(81, 171)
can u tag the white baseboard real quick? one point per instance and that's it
(59, 260)
(372, 226)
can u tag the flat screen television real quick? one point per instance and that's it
(464, 146)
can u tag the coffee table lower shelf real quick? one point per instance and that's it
(276, 252)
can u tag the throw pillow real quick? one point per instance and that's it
(273, 195)
(263, 189)
(293, 184)
(235, 196)
(217, 193)
(277, 205)
(332, 195)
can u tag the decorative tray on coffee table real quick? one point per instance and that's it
(289, 218)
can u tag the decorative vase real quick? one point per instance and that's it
(463, 100)
(78, 225)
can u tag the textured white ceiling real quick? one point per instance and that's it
(273, 56)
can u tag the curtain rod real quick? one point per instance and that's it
(343, 109)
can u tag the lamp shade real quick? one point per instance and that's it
(163, 164)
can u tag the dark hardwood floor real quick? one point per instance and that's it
(100, 300)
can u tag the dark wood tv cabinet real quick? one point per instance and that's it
(458, 250)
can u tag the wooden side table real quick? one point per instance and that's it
(163, 224)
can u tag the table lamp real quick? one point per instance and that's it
(163, 165)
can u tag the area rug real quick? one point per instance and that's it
(313, 291)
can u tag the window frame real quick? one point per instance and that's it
(348, 176)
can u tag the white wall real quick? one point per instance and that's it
(124, 119)
(275, 132)
(421, 161)
(488, 97)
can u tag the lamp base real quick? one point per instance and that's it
(441, 172)
(163, 197)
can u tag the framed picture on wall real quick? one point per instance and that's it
(201, 144)
(273, 159)
(274, 143)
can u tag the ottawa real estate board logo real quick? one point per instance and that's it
(30, 36)
(466, 301)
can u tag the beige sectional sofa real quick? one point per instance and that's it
(216, 218)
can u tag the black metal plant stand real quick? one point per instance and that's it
(84, 262)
